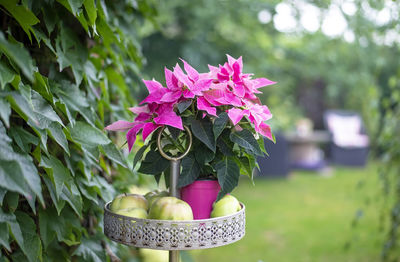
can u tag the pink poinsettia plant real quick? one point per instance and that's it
(221, 109)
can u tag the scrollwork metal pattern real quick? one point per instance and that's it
(174, 235)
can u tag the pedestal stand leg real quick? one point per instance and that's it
(174, 191)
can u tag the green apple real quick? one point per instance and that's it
(154, 195)
(225, 206)
(170, 208)
(126, 201)
(153, 255)
(133, 212)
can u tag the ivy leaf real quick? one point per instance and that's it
(190, 170)
(91, 11)
(14, 227)
(228, 176)
(4, 236)
(58, 203)
(2, 194)
(72, 5)
(17, 54)
(5, 111)
(86, 134)
(18, 173)
(111, 151)
(23, 138)
(6, 75)
(73, 198)
(22, 14)
(56, 132)
(32, 246)
(57, 172)
(246, 140)
(90, 250)
(203, 130)
(153, 164)
(219, 124)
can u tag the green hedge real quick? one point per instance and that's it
(67, 68)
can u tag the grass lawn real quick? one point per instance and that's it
(307, 217)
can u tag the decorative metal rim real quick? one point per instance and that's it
(170, 157)
(122, 229)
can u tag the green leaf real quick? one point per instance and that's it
(22, 14)
(88, 135)
(17, 54)
(5, 111)
(182, 106)
(203, 154)
(153, 164)
(105, 32)
(23, 138)
(14, 227)
(4, 236)
(6, 75)
(203, 130)
(228, 176)
(72, 5)
(246, 140)
(2, 194)
(56, 132)
(57, 172)
(32, 246)
(73, 198)
(190, 171)
(219, 124)
(58, 203)
(91, 11)
(225, 144)
(18, 173)
(12, 200)
(139, 155)
(90, 250)
(112, 152)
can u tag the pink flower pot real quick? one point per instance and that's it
(200, 195)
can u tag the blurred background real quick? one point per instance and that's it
(330, 189)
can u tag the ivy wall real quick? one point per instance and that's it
(67, 68)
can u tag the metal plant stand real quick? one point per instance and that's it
(174, 235)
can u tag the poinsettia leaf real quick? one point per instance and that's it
(219, 124)
(246, 140)
(203, 130)
(203, 154)
(182, 106)
(190, 170)
(225, 144)
(228, 176)
(139, 155)
(153, 163)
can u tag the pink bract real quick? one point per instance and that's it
(223, 88)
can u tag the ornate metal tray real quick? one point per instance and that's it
(174, 235)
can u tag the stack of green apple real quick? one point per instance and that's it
(158, 205)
